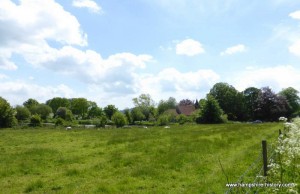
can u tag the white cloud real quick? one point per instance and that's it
(90, 5)
(2, 76)
(189, 47)
(278, 77)
(295, 15)
(16, 92)
(234, 49)
(27, 27)
(295, 48)
(171, 82)
(117, 70)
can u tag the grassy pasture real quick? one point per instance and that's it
(182, 159)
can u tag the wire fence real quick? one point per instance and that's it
(254, 174)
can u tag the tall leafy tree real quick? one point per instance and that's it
(230, 100)
(110, 110)
(79, 106)
(211, 111)
(270, 106)
(42, 110)
(291, 95)
(57, 102)
(145, 103)
(137, 114)
(128, 115)
(7, 118)
(95, 111)
(165, 105)
(30, 103)
(250, 96)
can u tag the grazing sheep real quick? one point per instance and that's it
(167, 127)
(68, 128)
(145, 127)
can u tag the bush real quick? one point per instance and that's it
(35, 120)
(100, 122)
(59, 122)
(181, 119)
(119, 119)
(64, 113)
(22, 113)
(163, 119)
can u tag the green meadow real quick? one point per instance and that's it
(181, 159)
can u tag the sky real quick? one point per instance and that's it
(110, 51)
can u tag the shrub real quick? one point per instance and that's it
(100, 121)
(119, 119)
(59, 122)
(181, 119)
(22, 113)
(35, 120)
(64, 113)
(163, 119)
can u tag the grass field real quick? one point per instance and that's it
(182, 159)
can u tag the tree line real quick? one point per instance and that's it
(222, 103)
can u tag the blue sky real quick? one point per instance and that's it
(112, 51)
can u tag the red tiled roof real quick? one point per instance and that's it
(186, 110)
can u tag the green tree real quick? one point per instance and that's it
(57, 102)
(64, 113)
(230, 100)
(95, 111)
(137, 114)
(145, 103)
(110, 110)
(211, 112)
(35, 120)
(7, 118)
(22, 113)
(30, 103)
(250, 96)
(119, 119)
(165, 105)
(128, 115)
(291, 95)
(42, 109)
(79, 107)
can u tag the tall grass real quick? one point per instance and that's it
(182, 159)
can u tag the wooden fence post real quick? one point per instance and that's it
(265, 157)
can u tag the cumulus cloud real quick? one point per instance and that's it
(295, 48)
(276, 77)
(19, 91)
(92, 6)
(26, 27)
(171, 82)
(295, 15)
(32, 23)
(189, 47)
(89, 66)
(234, 49)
